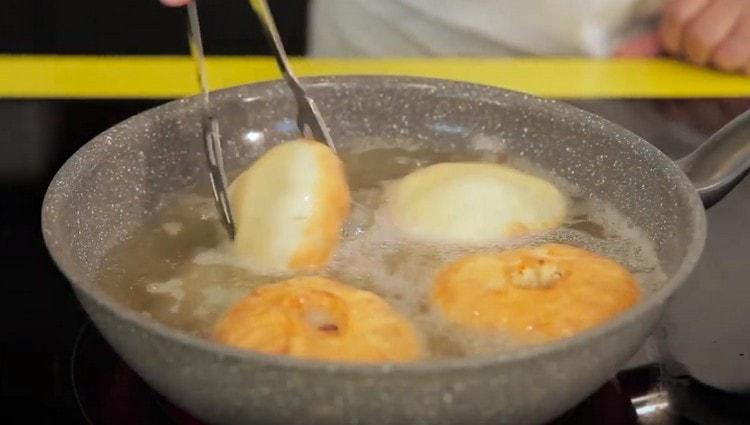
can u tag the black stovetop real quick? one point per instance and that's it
(55, 368)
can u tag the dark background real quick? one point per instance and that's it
(142, 27)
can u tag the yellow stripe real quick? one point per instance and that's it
(173, 76)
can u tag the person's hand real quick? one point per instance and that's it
(704, 32)
(175, 3)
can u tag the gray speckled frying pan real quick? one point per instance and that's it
(109, 186)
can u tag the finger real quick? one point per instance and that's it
(734, 51)
(704, 33)
(174, 3)
(675, 16)
(647, 45)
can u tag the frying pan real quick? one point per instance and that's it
(112, 184)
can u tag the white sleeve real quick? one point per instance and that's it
(479, 27)
(550, 27)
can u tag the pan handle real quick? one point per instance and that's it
(721, 162)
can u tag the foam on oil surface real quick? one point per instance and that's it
(188, 278)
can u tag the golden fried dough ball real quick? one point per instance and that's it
(538, 294)
(474, 203)
(314, 317)
(289, 207)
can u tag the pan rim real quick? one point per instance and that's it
(417, 368)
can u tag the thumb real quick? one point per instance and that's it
(645, 45)
(175, 2)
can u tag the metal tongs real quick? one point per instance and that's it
(209, 125)
(309, 120)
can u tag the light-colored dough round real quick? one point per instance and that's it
(538, 294)
(289, 207)
(314, 317)
(474, 203)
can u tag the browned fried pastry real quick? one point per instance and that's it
(319, 318)
(542, 293)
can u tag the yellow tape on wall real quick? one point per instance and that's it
(37, 76)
